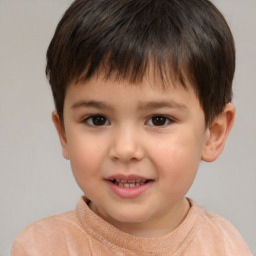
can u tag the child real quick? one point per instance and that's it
(142, 91)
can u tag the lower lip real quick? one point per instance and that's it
(130, 192)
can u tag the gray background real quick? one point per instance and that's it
(35, 181)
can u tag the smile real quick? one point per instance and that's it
(130, 186)
(129, 183)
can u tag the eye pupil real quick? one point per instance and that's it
(159, 120)
(98, 120)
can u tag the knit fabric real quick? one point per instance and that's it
(82, 232)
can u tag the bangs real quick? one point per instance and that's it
(132, 67)
(123, 39)
(129, 47)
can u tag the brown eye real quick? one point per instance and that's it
(97, 121)
(158, 121)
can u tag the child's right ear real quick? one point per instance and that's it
(61, 133)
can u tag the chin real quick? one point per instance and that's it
(130, 216)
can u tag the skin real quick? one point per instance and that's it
(131, 141)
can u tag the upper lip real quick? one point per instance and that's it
(126, 177)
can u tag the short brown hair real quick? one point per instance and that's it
(188, 38)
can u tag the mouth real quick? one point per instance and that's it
(130, 186)
(129, 183)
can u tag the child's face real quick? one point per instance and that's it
(118, 135)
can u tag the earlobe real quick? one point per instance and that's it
(217, 134)
(61, 134)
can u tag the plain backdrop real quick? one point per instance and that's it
(35, 181)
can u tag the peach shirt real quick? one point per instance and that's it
(82, 232)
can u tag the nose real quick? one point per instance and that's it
(126, 145)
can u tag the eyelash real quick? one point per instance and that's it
(89, 120)
(103, 121)
(166, 120)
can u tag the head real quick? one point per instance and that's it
(142, 91)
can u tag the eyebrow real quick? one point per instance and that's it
(162, 104)
(91, 104)
(142, 105)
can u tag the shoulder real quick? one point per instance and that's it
(218, 236)
(47, 226)
(46, 234)
(220, 226)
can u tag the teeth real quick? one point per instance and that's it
(129, 183)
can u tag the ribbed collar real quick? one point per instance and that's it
(172, 243)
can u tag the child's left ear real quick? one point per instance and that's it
(217, 133)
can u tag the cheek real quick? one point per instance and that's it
(177, 163)
(85, 159)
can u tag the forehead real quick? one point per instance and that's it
(159, 75)
(115, 89)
